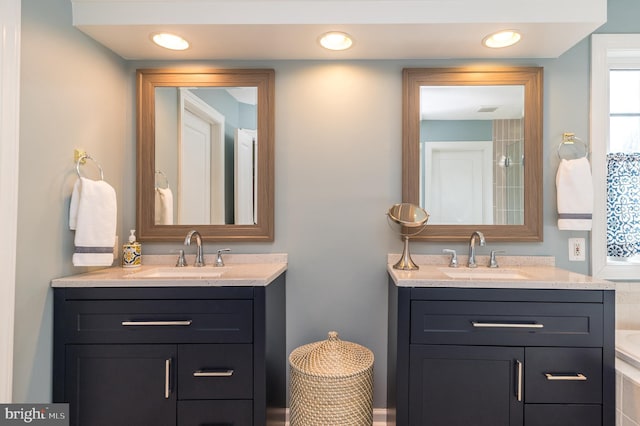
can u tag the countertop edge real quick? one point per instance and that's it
(116, 276)
(552, 278)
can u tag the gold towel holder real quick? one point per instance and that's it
(572, 139)
(82, 160)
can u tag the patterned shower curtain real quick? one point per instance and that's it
(623, 204)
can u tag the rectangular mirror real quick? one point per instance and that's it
(472, 146)
(205, 154)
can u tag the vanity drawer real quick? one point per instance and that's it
(158, 321)
(570, 375)
(506, 323)
(562, 415)
(215, 413)
(215, 371)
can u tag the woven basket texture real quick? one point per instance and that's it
(331, 384)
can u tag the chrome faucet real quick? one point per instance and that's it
(477, 235)
(187, 242)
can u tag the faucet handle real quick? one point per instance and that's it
(219, 261)
(453, 263)
(493, 263)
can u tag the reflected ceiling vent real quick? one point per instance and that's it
(488, 109)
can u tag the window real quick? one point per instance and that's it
(615, 144)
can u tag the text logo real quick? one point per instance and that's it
(34, 414)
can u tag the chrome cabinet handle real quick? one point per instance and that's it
(167, 377)
(213, 373)
(519, 368)
(479, 324)
(155, 323)
(566, 376)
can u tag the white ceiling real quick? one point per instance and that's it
(382, 29)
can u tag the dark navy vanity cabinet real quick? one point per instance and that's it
(500, 357)
(181, 356)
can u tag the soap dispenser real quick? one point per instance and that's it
(132, 252)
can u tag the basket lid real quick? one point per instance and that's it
(331, 358)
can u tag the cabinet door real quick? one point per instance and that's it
(125, 385)
(465, 385)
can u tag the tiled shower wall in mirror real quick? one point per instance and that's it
(508, 170)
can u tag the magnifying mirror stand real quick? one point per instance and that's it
(410, 218)
(406, 263)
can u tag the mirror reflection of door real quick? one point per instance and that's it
(201, 162)
(458, 182)
(245, 178)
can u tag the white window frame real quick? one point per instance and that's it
(10, 28)
(607, 51)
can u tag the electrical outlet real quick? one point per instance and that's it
(577, 249)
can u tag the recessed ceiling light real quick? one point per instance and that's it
(170, 41)
(336, 40)
(500, 39)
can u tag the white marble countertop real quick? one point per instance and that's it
(248, 270)
(523, 272)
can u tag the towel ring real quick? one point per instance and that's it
(571, 139)
(166, 179)
(86, 157)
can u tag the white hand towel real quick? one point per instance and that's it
(164, 206)
(73, 208)
(575, 195)
(93, 213)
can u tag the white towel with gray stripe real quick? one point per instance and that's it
(93, 215)
(575, 195)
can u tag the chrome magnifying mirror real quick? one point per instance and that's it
(412, 220)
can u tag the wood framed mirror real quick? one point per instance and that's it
(472, 151)
(205, 154)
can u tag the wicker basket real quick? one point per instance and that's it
(331, 384)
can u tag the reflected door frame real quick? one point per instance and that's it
(192, 105)
(245, 176)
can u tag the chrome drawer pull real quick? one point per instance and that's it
(478, 324)
(566, 376)
(167, 377)
(213, 373)
(155, 323)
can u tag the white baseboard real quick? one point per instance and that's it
(379, 417)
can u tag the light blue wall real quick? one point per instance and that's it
(73, 94)
(338, 169)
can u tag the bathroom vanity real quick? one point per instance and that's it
(150, 347)
(528, 344)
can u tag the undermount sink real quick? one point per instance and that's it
(182, 272)
(483, 273)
